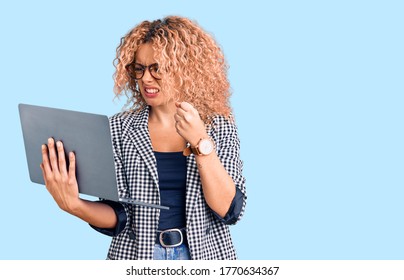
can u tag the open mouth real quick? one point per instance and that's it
(151, 92)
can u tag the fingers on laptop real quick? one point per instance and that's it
(54, 161)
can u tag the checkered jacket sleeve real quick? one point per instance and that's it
(224, 134)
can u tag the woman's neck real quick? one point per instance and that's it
(163, 115)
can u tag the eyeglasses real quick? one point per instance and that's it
(136, 70)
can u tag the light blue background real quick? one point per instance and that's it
(318, 96)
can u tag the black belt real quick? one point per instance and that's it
(171, 237)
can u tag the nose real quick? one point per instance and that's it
(147, 77)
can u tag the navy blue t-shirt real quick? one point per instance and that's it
(172, 172)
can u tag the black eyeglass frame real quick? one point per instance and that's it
(143, 67)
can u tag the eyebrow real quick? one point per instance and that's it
(155, 63)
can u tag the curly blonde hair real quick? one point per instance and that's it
(191, 64)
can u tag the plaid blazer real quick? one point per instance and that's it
(137, 177)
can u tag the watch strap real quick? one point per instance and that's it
(191, 150)
(195, 150)
(187, 151)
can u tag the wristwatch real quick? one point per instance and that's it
(204, 147)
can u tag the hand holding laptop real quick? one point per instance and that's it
(85, 135)
(60, 177)
(60, 180)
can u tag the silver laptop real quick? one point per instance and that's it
(88, 135)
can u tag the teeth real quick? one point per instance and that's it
(150, 90)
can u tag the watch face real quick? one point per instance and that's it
(205, 146)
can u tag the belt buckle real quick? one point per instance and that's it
(170, 230)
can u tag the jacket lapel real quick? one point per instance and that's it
(194, 187)
(136, 129)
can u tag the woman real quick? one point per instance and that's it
(177, 146)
